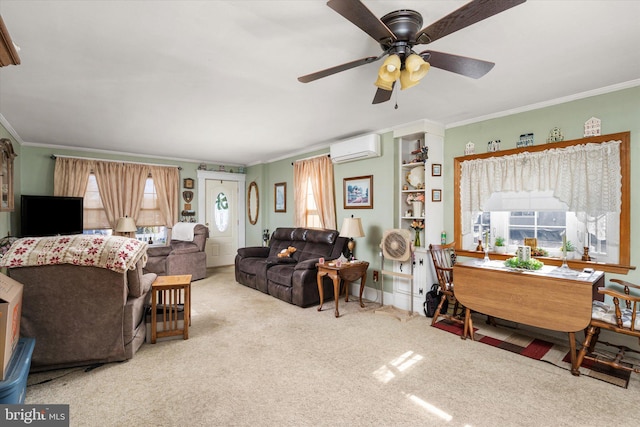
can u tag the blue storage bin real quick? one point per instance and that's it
(14, 388)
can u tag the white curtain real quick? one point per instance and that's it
(586, 177)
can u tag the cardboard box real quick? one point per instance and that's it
(10, 312)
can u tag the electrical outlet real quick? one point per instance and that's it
(375, 275)
(420, 291)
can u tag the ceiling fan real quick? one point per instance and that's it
(399, 31)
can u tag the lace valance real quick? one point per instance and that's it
(586, 177)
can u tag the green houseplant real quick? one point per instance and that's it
(499, 245)
(569, 248)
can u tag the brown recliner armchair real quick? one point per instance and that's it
(180, 256)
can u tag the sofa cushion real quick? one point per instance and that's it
(252, 265)
(281, 260)
(179, 247)
(281, 274)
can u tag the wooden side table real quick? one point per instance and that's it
(173, 291)
(347, 272)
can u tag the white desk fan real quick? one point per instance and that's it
(396, 245)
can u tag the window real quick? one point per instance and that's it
(150, 226)
(221, 212)
(516, 189)
(95, 218)
(311, 213)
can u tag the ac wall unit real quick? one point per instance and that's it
(362, 147)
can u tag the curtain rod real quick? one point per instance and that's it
(312, 157)
(55, 156)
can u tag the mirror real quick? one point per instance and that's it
(253, 203)
(6, 175)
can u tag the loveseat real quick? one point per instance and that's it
(81, 314)
(183, 255)
(291, 279)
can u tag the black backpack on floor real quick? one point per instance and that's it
(432, 300)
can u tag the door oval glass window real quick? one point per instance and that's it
(221, 212)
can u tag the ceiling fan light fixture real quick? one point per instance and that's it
(406, 81)
(389, 72)
(383, 84)
(415, 68)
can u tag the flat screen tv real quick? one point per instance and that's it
(50, 216)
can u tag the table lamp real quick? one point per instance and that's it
(351, 227)
(125, 226)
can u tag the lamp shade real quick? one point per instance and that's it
(415, 68)
(388, 72)
(125, 225)
(352, 227)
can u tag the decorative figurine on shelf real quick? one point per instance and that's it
(421, 153)
(469, 149)
(592, 127)
(480, 248)
(493, 146)
(585, 255)
(526, 140)
(555, 135)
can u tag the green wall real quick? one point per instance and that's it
(34, 174)
(619, 112)
(8, 221)
(374, 221)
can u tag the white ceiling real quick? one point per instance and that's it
(216, 81)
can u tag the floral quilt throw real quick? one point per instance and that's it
(115, 253)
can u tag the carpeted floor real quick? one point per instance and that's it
(528, 344)
(253, 360)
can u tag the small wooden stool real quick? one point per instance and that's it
(173, 290)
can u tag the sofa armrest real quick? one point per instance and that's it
(139, 282)
(278, 260)
(254, 252)
(158, 251)
(309, 264)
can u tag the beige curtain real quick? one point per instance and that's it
(70, 176)
(121, 187)
(319, 170)
(167, 183)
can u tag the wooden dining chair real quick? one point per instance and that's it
(622, 317)
(444, 257)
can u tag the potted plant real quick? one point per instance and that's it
(568, 246)
(499, 245)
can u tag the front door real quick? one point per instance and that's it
(221, 216)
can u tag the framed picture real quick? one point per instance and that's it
(436, 195)
(187, 183)
(436, 169)
(280, 196)
(358, 192)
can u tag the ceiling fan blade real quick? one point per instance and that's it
(338, 68)
(469, 67)
(383, 95)
(469, 14)
(363, 18)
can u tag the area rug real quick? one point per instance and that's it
(519, 342)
